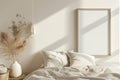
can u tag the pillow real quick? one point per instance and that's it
(55, 59)
(80, 60)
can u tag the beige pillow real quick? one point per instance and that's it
(55, 59)
(80, 60)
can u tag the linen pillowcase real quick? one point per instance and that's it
(80, 60)
(55, 59)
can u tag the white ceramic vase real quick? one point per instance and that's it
(16, 70)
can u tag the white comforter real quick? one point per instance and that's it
(67, 73)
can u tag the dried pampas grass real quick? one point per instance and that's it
(12, 46)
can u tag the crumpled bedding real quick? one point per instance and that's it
(69, 73)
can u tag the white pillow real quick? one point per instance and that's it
(55, 59)
(80, 60)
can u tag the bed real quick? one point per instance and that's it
(71, 66)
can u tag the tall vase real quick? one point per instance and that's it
(15, 70)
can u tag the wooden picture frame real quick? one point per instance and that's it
(94, 31)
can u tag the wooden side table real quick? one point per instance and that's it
(18, 78)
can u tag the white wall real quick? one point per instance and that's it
(55, 25)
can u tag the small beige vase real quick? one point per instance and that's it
(15, 70)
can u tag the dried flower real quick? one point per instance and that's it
(13, 45)
(4, 38)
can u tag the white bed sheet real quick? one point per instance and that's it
(68, 73)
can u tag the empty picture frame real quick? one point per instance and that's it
(94, 31)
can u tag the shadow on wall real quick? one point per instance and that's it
(57, 44)
(48, 8)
